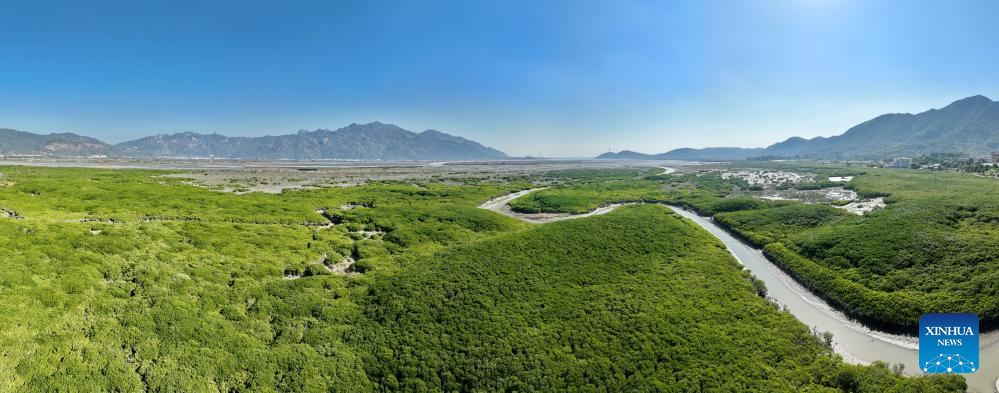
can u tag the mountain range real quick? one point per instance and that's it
(969, 126)
(689, 154)
(372, 141)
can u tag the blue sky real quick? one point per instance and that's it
(558, 78)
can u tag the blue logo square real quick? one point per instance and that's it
(948, 343)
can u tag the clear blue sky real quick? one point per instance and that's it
(570, 78)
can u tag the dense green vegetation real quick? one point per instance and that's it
(130, 280)
(938, 236)
(166, 306)
(635, 301)
(580, 191)
(776, 224)
(170, 287)
(705, 193)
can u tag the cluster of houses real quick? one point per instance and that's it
(951, 161)
(767, 178)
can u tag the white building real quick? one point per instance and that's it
(901, 163)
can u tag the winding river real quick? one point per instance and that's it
(855, 342)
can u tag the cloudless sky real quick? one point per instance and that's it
(557, 78)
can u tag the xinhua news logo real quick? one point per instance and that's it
(948, 343)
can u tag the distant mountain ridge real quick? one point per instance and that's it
(688, 154)
(26, 143)
(372, 141)
(969, 126)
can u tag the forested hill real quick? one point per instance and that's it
(969, 126)
(372, 141)
(26, 143)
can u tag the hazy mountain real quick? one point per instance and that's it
(688, 154)
(373, 141)
(968, 126)
(626, 155)
(712, 154)
(14, 142)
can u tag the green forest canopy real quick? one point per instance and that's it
(938, 235)
(125, 280)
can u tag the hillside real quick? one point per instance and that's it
(14, 142)
(688, 154)
(626, 155)
(969, 126)
(372, 141)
